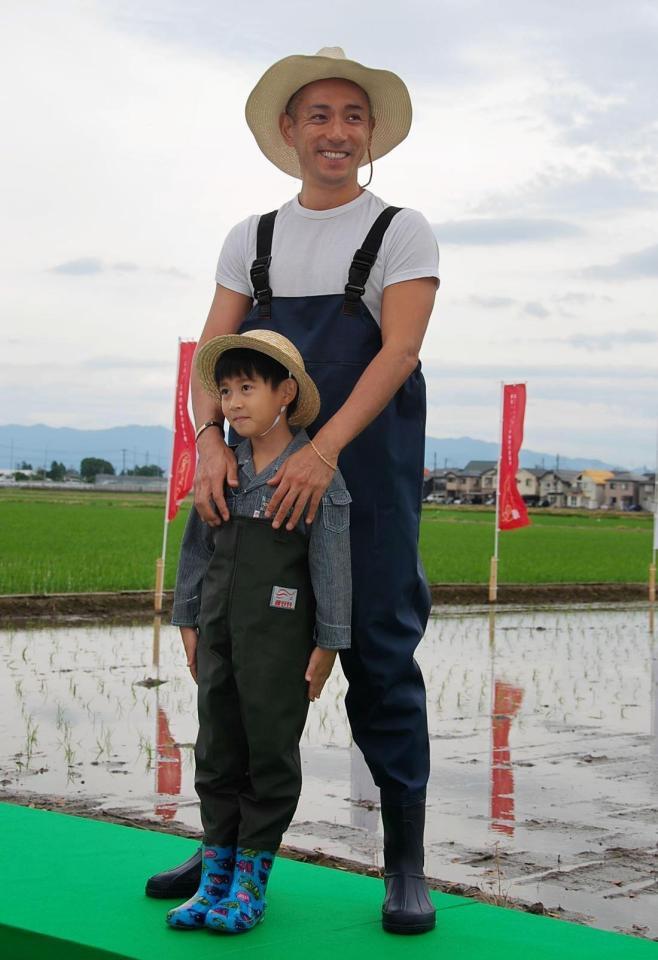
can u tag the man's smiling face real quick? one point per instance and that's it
(329, 125)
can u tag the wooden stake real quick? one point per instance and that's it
(652, 583)
(493, 580)
(159, 584)
(492, 627)
(156, 641)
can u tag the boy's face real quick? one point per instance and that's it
(251, 405)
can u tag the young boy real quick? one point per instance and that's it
(262, 613)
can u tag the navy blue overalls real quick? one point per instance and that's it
(383, 469)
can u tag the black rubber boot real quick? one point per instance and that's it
(407, 906)
(180, 882)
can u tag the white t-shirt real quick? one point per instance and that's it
(312, 250)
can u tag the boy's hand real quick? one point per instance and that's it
(318, 670)
(190, 637)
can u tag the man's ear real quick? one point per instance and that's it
(285, 126)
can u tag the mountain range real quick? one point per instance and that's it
(134, 445)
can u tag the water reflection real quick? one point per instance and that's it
(654, 697)
(168, 768)
(507, 701)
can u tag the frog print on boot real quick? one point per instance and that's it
(244, 907)
(216, 876)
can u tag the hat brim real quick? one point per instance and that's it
(389, 99)
(308, 397)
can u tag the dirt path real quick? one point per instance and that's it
(138, 604)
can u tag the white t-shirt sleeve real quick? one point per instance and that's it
(409, 248)
(236, 257)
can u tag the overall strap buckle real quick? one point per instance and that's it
(364, 259)
(260, 268)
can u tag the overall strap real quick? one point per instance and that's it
(364, 258)
(260, 268)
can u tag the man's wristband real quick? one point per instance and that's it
(204, 426)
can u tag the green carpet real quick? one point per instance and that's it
(72, 889)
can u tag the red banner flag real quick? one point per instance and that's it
(512, 510)
(183, 458)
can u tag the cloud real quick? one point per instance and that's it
(534, 309)
(492, 303)
(92, 266)
(606, 341)
(125, 266)
(82, 267)
(596, 192)
(125, 363)
(485, 231)
(580, 298)
(642, 263)
(173, 272)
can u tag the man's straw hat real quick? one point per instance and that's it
(275, 346)
(389, 99)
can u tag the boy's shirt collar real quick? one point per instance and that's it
(247, 475)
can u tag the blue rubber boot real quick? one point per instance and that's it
(217, 865)
(244, 907)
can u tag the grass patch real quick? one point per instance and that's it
(557, 548)
(61, 542)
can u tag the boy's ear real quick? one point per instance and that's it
(290, 390)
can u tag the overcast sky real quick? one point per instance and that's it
(533, 153)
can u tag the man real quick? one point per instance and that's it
(352, 283)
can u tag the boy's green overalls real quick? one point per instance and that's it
(256, 628)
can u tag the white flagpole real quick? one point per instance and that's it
(493, 568)
(160, 562)
(652, 565)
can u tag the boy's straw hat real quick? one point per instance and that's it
(275, 346)
(389, 99)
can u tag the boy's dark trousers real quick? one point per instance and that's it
(256, 627)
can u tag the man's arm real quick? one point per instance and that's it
(216, 461)
(303, 478)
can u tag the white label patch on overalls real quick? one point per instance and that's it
(284, 598)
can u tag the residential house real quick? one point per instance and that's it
(590, 490)
(626, 491)
(555, 486)
(647, 493)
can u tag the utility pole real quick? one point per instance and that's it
(147, 458)
(435, 461)
(123, 460)
(11, 454)
(557, 461)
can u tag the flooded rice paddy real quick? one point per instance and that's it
(544, 734)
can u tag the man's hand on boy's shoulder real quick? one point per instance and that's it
(216, 466)
(300, 483)
(318, 671)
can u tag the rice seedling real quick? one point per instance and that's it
(31, 730)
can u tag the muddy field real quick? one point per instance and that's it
(544, 727)
(127, 605)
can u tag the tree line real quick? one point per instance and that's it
(90, 467)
